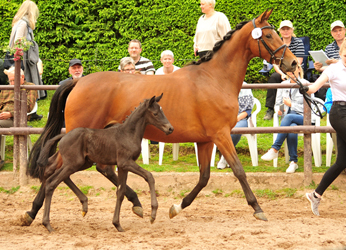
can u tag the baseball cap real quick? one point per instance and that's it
(286, 23)
(337, 23)
(74, 62)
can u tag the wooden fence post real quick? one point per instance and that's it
(16, 119)
(307, 147)
(23, 140)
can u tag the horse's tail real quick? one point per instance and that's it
(53, 126)
(42, 161)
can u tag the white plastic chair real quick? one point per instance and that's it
(145, 151)
(251, 138)
(3, 137)
(315, 142)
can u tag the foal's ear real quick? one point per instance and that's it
(159, 98)
(265, 16)
(152, 100)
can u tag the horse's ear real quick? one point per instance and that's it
(159, 98)
(152, 100)
(265, 15)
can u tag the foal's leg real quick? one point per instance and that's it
(148, 177)
(204, 157)
(228, 151)
(108, 172)
(82, 197)
(52, 182)
(120, 197)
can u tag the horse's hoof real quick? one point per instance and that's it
(138, 211)
(152, 220)
(84, 213)
(26, 220)
(174, 210)
(120, 229)
(260, 216)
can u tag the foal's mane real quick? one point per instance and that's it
(218, 44)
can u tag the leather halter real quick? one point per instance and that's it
(271, 52)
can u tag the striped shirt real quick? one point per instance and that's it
(297, 47)
(143, 65)
(332, 51)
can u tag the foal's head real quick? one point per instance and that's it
(155, 116)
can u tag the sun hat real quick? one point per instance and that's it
(337, 23)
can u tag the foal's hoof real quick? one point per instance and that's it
(84, 213)
(26, 220)
(260, 216)
(138, 211)
(120, 229)
(152, 220)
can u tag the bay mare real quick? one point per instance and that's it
(200, 102)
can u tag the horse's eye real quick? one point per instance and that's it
(155, 114)
(268, 36)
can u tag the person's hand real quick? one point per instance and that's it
(331, 61)
(284, 77)
(5, 115)
(318, 66)
(287, 101)
(195, 51)
(303, 89)
(279, 113)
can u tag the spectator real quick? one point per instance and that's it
(7, 101)
(296, 46)
(337, 29)
(75, 69)
(167, 59)
(142, 64)
(211, 28)
(246, 103)
(127, 65)
(293, 116)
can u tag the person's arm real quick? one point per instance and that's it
(278, 70)
(242, 115)
(22, 30)
(223, 25)
(318, 84)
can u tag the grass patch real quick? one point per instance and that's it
(272, 195)
(35, 188)
(9, 191)
(85, 189)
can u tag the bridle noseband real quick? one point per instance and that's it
(271, 52)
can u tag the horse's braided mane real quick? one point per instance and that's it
(218, 44)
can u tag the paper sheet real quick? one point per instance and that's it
(319, 56)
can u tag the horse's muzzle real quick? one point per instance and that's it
(169, 130)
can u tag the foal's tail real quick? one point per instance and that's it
(42, 161)
(53, 127)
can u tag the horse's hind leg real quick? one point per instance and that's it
(108, 172)
(82, 197)
(231, 157)
(120, 197)
(30, 216)
(204, 157)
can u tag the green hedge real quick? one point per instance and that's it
(98, 31)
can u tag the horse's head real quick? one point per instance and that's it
(156, 117)
(267, 44)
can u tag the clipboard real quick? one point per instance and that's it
(319, 56)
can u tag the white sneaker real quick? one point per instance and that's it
(222, 163)
(270, 155)
(292, 167)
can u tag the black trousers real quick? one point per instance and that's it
(271, 93)
(337, 120)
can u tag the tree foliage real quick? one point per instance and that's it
(98, 31)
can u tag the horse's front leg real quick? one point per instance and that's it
(108, 172)
(120, 197)
(204, 157)
(227, 149)
(148, 177)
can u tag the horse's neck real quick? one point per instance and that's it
(230, 62)
(136, 123)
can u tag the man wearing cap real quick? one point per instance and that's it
(142, 64)
(75, 69)
(337, 30)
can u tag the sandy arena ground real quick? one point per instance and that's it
(215, 220)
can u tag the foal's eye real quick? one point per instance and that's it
(155, 114)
